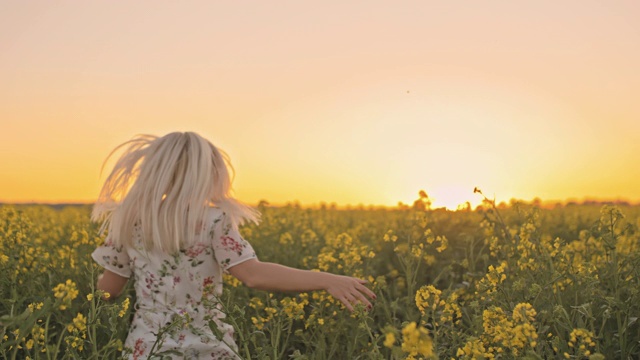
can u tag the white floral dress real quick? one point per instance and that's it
(179, 289)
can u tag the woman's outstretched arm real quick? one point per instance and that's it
(275, 277)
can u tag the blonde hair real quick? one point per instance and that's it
(166, 185)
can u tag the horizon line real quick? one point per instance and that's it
(570, 200)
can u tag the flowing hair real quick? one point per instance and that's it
(166, 185)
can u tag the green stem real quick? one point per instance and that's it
(286, 340)
(59, 341)
(92, 317)
(46, 336)
(274, 341)
(15, 351)
(373, 339)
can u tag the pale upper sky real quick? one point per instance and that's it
(350, 102)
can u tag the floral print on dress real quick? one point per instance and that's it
(114, 259)
(179, 289)
(231, 244)
(230, 248)
(139, 349)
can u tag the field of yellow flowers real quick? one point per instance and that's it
(497, 282)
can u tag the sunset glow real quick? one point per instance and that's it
(345, 103)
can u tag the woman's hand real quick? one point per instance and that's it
(349, 291)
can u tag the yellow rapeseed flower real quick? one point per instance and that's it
(389, 340)
(66, 292)
(443, 243)
(428, 298)
(35, 306)
(292, 308)
(390, 237)
(416, 340)
(125, 307)
(38, 335)
(474, 349)
(258, 323)
(582, 341)
(524, 312)
(77, 329)
(231, 280)
(80, 322)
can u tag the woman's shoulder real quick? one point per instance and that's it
(214, 210)
(215, 215)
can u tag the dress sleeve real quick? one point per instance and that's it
(229, 246)
(112, 258)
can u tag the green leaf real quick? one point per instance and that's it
(216, 331)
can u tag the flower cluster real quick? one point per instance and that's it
(581, 342)
(504, 334)
(428, 299)
(416, 341)
(124, 307)
(77, 332)
(494, 277)
(65, 292)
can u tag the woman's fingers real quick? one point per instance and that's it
(347, 303)
(358, 296)
(360, 290)
(366, 291)
(363, 299)
(348, 299)
(350, 296)
(351, 291)
(363, 289)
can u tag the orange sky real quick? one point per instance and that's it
(346, 102)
